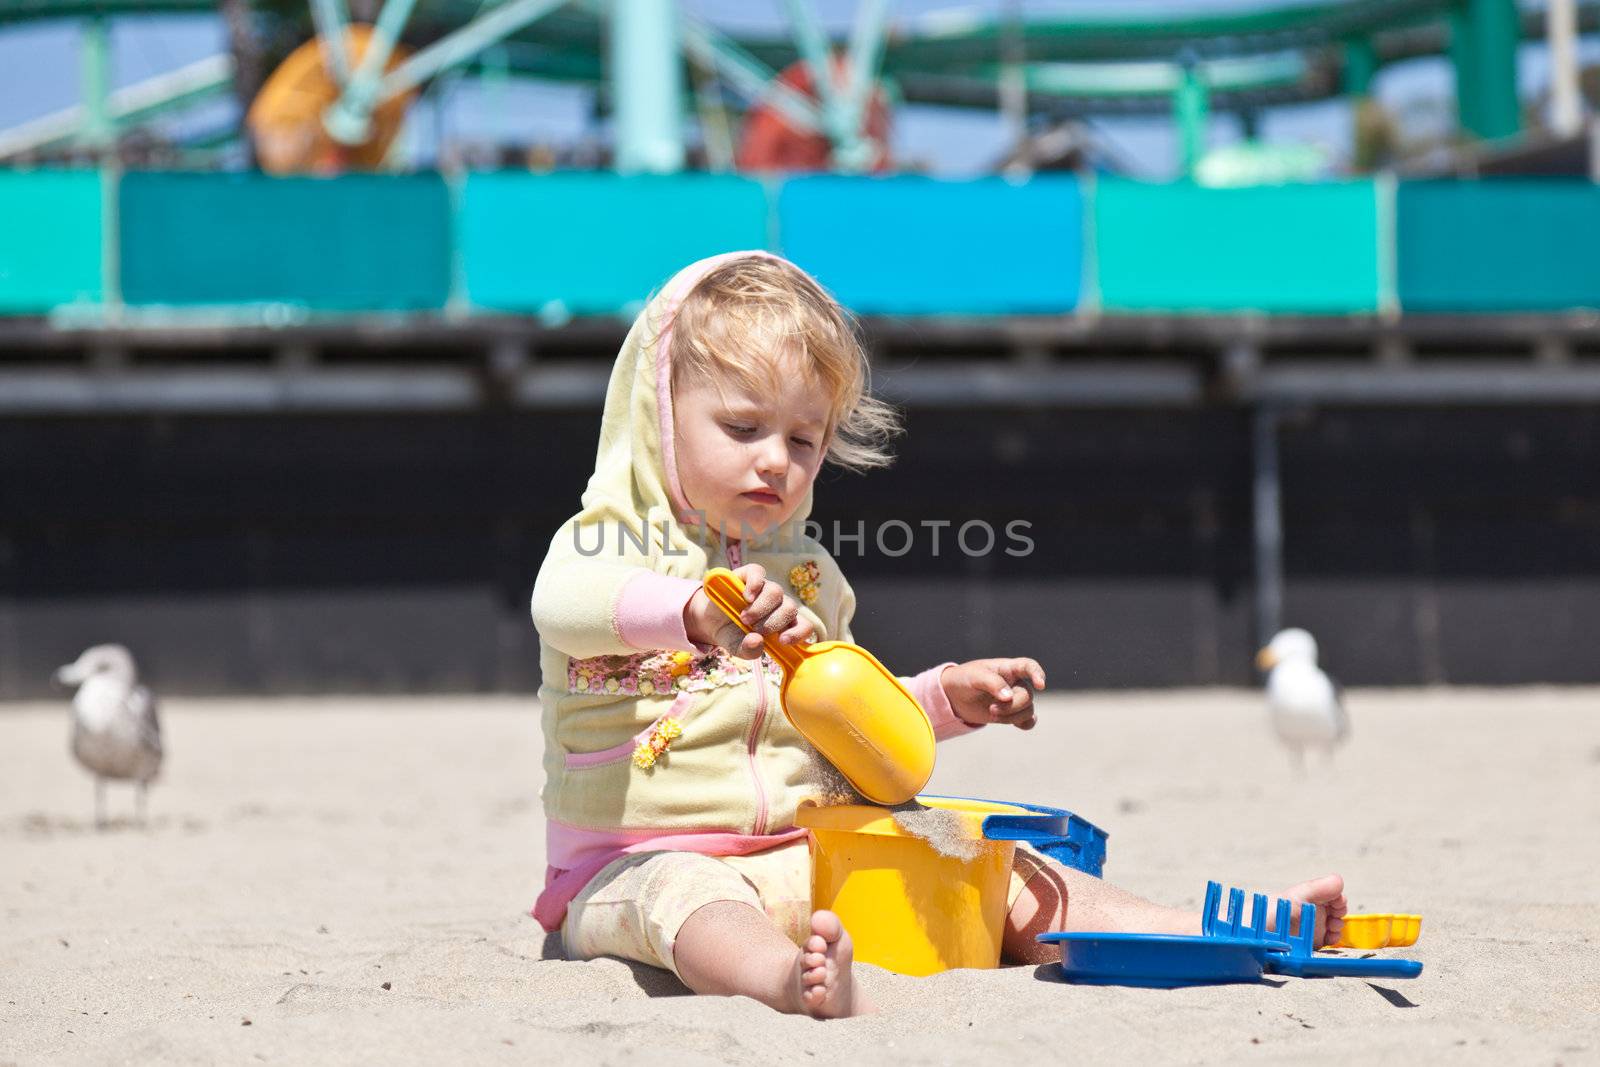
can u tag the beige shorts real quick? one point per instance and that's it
(636, 905)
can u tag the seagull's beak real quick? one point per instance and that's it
(71, 674)
(1266, 659)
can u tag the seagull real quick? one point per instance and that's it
(1306, 705)
(116, 732)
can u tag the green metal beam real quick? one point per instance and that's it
(842, 110)
(747, 76)
(867, 37)
(349, 120)
(1566, 95)
(944, 39)
(464, 44)
(1156, 79)
(647, 86)
(203, 80)
(954, 90)
(550, 64)
(1360, 66)
(579, 26)
(716, 127)
(1191, 109)
(818, 54)
(332, 20)
(572, 37)
(32, 10)
(95, 44)
(944, 58)
(958, 42)
(1483, 50)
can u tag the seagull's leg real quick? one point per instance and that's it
(140, 795)
(1297, 760)
(99, 803)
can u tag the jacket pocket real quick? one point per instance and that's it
(617, 753)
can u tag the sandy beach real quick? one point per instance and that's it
(347, 880)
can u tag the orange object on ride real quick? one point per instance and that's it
(768, 141)
(285, 119)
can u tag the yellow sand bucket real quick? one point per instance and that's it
(908, 907)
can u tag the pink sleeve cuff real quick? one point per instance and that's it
(929, 692)
(649, 611)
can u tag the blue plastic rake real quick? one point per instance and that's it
(1291, 954)
(1227, 950)
(1213, 925)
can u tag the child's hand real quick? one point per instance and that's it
(768, 611)
(982, 691)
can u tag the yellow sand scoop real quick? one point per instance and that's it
(847, 704)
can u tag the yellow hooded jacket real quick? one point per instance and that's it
(728, 772)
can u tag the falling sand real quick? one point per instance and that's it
(832, 788)
(944, 831)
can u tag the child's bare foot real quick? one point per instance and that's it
(1327, 893)
(827, 986)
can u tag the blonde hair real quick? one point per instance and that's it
(747, 320)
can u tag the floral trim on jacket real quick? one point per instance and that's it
(662, 672)
(806, 579)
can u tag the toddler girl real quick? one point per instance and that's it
(672, 774)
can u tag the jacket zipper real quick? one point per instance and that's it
(755, 732)
(734, 555)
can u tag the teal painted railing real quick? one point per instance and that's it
(1290, 248)
(51, 247)
(599, 244)
(1505, 245)
(357, 243)
(915, 246)
(596, 243)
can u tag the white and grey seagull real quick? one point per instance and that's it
(116, 732)
(1306, 705)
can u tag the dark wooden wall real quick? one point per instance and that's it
(395, 553)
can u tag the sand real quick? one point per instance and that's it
(946, 832)
(347, 880)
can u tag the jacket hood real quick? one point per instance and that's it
(635, 483)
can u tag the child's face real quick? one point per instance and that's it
(747, 460)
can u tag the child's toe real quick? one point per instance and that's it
(826, 925)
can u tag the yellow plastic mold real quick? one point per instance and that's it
(1405, 930)
(1366, 931)
(1380, 931)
